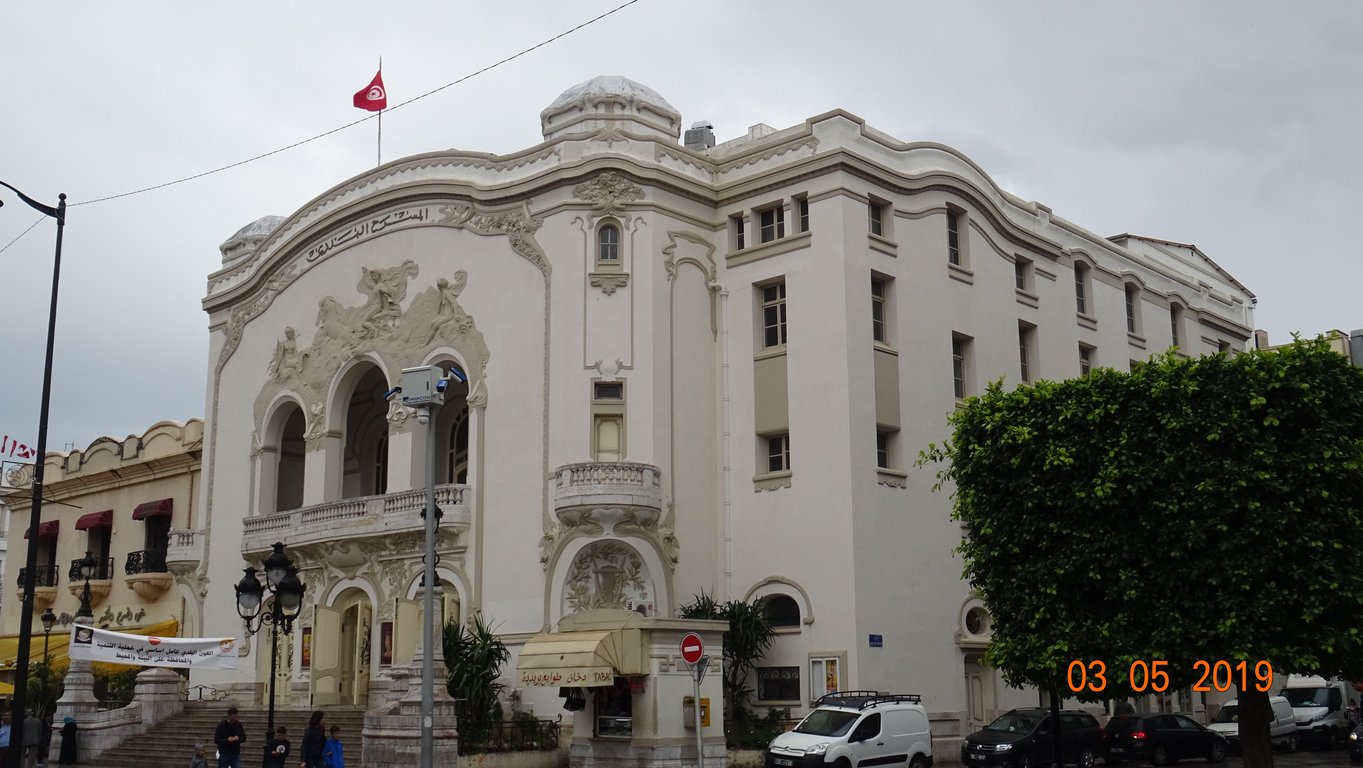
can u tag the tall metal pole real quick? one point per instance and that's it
(428, 598)
(275, 618)
(16, 746)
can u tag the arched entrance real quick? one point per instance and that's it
(365, 471)
(342, 634)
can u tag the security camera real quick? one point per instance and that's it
(392, 393)
(458, 376)
(441, 385)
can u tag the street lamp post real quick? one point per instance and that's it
(16, 747)
(281, 579)
(48, 618)
(87, 567)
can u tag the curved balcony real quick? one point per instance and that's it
(184, 549)
(146, 572)
(361, 517)
(607, 493)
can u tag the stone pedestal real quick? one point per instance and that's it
(78, 697)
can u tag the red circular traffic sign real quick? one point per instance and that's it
(692, 648)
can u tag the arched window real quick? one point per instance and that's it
(781, 611)
(608, 245)
(457, 455)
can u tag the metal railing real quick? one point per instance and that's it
(104, 570)
(145, 561)
(45, 575)
(510, 736)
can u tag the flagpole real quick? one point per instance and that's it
(380, 155)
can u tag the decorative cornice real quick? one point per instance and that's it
(608, 282)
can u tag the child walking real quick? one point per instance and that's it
(334, 756)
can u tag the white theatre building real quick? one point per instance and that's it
(691, 368)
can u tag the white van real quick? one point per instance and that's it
(1320, 706)
(857, 729)
(1282, 729)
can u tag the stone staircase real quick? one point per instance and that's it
(171, 743)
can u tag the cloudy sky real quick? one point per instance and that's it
(1233, 125)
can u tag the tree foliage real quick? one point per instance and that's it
(1192, 509)
(474, 657)
(746, 641)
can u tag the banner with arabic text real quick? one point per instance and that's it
(97, 644)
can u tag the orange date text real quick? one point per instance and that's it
(1153, 676)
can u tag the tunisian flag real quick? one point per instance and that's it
(372, 97)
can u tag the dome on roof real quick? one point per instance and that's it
(248, 237)
(610, 99)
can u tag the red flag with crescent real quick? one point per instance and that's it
(373, 97)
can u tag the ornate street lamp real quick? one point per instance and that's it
(48, 618)
(87, 565)
(18, 703)
(281, 580)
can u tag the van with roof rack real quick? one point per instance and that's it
(857, 729)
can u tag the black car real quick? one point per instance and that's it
(1356, 744)
(1161, 739)
(1023, 737)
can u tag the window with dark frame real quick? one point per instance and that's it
(954, 237)
(1081, 288)
(778, 683)
(1085, 360)
(1025, 353)
(959, 370)
(876, 212)
(736, 224)
(608, 390)
(1132, 296)
(771, 224)
(1175, 319)
(878, 310)
(774, 315)
(802, 205)
(608, 245)
(882, 449)
(781, 611)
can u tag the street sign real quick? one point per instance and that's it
(692, 648)
(877, 641)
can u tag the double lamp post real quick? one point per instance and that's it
(19, 703)
(286, 591)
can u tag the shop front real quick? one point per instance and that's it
(622, 678)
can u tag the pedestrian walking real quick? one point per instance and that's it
(199, 760)
(229, 737)
(334, 755)
(6, 729)
(33, 739)
(279, 747)
(314, 742)
(67, 756)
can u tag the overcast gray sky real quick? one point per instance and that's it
(1233, 125)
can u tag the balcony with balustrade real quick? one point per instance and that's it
(101, 581)
(45, 590)
(147, 573)
(363, 517)
(605, 493)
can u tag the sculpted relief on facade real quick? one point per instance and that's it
(608, 574)
(434, 319)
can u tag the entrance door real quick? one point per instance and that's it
(980, 697)
(326, 657)
(408, 631)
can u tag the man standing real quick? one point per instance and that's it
(33, 738)
(229, 736)
(4, 736)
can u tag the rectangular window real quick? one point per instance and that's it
(824, 677)
(608, 245)
(772, 224)
(1022, 274)
(954, 237)
(609, 436)
(736, 228)
(884, 446)
(960, 365)
(778, 683)
(608, 390)
(802, 205)
(876, 212)
(1025, 351)
(1175, 320)
(774, 315)
(878, 310)
(1133, 296)
(1081, 289)
(778, 452)
(1085, 359)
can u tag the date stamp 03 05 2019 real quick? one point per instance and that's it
(1220, 675)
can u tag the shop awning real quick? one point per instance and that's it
(57, 641)
(161, 508)
(583, 659)
(90, 520)
(47, 530)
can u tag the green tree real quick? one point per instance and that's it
(1193, 509)
(474, 657)
(746, 641)
(46, 683)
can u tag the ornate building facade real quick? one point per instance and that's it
(689, 369)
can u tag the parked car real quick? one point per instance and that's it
(852, 729)
(1021, 738)
(1356, 745)
(1282, 728)
(1161, 739)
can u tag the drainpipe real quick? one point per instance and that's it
(726, 449)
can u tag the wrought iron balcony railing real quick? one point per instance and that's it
(104, 570)
(46, 576)
(145, 561)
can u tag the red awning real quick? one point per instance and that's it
(103, 519)
(148, 509)
(47, 530)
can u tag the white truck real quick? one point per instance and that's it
(1320, 708)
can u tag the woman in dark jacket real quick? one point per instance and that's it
(314, 742)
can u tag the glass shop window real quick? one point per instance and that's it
(614, 709)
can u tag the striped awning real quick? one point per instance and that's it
(103, 519)
(159, 508)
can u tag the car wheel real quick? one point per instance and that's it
(1217, 752)
(1087, 758)
(1292, 743)
(1159, 756)
(1022, 762)
(918, 762)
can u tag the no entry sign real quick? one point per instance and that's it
(692, 648)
